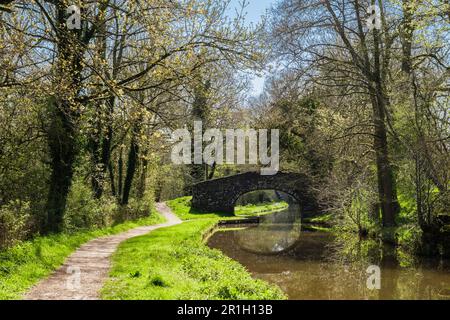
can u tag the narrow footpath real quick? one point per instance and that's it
(83, 274)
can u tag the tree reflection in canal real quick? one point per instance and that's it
(277, 232)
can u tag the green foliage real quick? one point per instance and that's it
(137, 207)
(409, 208)
(174, 263)
(355, 216)
(170, 181)
(24, 264)
(85, 212)
(409, 237)
(349, 248)
(18, 221)
(14, 222)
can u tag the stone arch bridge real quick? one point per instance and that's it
(220, 195)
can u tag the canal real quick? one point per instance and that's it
(318, 265)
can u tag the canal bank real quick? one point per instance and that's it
(175, 264)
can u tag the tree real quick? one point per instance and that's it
(344, 56)
(124, 66)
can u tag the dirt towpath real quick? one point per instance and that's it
(83, 274)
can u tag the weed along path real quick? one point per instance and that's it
(83, 274)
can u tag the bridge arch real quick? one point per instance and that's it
(220, 195)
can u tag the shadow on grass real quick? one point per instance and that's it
(218, 213)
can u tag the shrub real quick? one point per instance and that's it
(14, 222)
(409, 237)
(83, 211)
(137, 207)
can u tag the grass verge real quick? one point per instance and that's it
(24, 264)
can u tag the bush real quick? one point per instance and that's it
(355, 212)
(84, 212)
(137, 208)
(409, 237)
(14, 222)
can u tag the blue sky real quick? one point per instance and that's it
(255, 9)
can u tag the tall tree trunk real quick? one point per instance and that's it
(376, 79)
(131, 165)
(120, 175)
(62, 147)
(101, 140)
(142, 179)
(106, 156)
(101, 150)
(386, 185)
(407, 31)
(111, 178)
(62, 131)
(386, 182)
(426, 170)
(94, 146)
(200, 112)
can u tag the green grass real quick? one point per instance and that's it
(260, 209)
(171, 263)
(174, 263)
(28, 262)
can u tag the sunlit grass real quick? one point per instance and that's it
(28, 262)
(174, 263)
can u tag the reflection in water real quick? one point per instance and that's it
(315, 265)
(276, 233)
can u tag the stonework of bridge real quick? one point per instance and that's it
(220, 195)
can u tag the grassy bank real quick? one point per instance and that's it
(174, 263)
(28, 262)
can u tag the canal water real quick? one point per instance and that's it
(316, 265)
